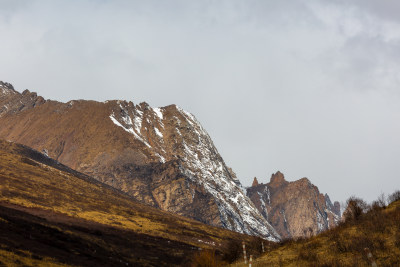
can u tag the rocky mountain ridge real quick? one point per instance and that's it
(161, 156)
(296, 208)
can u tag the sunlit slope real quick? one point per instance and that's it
(37, 185)
(377, 232)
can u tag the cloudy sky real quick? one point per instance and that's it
(310, 88)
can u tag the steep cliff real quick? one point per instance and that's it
(296, 208)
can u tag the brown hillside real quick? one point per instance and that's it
(68, 213)
(373, 237)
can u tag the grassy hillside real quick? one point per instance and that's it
(377, 231)
(51, 213)
(55, 239)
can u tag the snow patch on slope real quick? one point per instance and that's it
(158, 132)
(158, 112)
(130, 127)
(263, 206)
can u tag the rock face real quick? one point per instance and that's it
(294, 209)
(12, 102)
(161, 156)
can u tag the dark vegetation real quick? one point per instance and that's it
(33, 240)
(231, 253)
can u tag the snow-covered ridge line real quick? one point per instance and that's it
(214, 176)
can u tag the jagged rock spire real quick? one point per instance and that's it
(255, 182)
(277, 179)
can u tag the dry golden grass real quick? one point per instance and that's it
(28, 182)
(378, 230)
(25, 258)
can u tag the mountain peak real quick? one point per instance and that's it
(292, 207)
(12, 102)
(255, 182)
(277, 179)
(6, 85)
(6, 89)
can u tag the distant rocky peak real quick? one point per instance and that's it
(277, 179)
(26, 92)
(255, 182)
(12, 101)
(6, 85)
(305, 182)
(328, 201)
(6, 88)
(144, 105)
(336, 208)
(292, 207)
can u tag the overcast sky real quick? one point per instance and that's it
(310, 88)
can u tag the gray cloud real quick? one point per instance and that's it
(306, 87)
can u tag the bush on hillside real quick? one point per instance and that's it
(205, 258)
(233, 251)
(394, 197)
(355, 208)
(380, 203)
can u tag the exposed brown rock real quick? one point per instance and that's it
(255, 182)
(12, 102)
(296, 208)
(278, 180)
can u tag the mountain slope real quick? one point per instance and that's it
(49, 212)
(161, 156)
(373, 239)
(294, 209)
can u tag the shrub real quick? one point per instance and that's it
(397, 240)
(394, 197)
(233, 251)
(355, 208)
(308, 254)
(254, 247)
(205, 258)
(380, 203)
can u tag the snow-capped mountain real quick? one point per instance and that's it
(160, 156)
